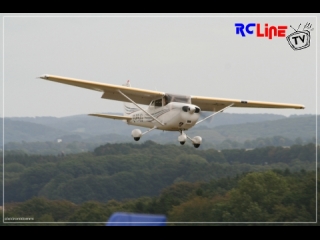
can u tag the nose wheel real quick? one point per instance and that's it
(196, 141)
(182, 138)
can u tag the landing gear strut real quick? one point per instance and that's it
(136, 133)
(182, 138)
(196, 141)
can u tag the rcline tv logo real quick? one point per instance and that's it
(269, 32)
(297, 40)
(300, 39)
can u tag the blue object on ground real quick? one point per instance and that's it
(135, 219)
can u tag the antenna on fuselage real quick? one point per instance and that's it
(127, 84)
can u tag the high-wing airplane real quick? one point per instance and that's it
(165, 111)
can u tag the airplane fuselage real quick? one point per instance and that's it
(175, 116)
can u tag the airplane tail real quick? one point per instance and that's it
(129, 107)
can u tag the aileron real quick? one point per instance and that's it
(215, 104)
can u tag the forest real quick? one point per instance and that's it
(263, 185)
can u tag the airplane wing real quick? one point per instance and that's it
(143, 96)
(117, 117)
(216, 104)
(110, 91)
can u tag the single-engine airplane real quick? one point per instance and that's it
(166, 111)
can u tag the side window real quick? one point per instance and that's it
(158, 103)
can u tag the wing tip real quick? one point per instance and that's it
(44, 76)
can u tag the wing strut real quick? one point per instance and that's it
(155, 127)
(139, 107)
(214, 113)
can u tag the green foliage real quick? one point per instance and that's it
(14, 167)
(175, 195)
(1, 217)
(264, 189)
(197, 209)
(257, 197)
(91, 212)
(128, 171)
(277, 197)
(44, 210)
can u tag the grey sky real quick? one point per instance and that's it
(182, 54)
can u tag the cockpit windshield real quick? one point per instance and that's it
(176, 98)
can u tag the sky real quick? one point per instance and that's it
(189, 54)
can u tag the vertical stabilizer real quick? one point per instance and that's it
(128, 107)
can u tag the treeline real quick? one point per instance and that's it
(274, 196)
(263, 142)
(49, 148)
(75, 146)
(122, 171)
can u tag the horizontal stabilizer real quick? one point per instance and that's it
(112, 116)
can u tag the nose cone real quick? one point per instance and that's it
(192, 109)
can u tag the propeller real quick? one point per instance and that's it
(204, 114)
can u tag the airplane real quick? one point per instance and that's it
(165, 111)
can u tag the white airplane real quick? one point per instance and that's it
(169, 112)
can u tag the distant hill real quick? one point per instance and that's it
(93, 124)
(17, 131)
(303, 127)
(80, 124)
(83, 128)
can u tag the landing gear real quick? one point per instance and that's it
(137, 134)
(196, 141)
(182, 138)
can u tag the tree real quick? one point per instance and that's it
(91, 212)
(200, 209)
(257, 193)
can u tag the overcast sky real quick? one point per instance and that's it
(191, 54)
